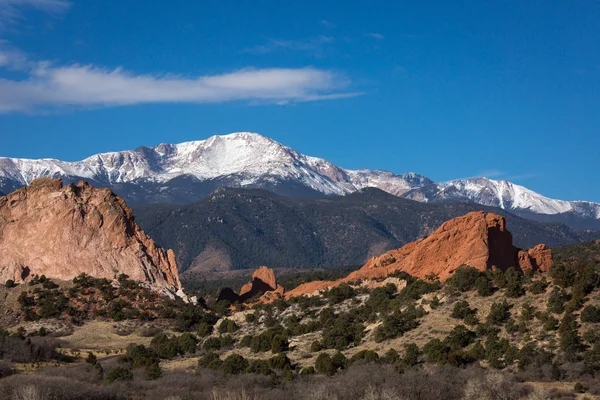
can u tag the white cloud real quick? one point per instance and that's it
(377, 36)
(527, 175)
(314, 45)
(10, 10)
(48, 87)
(327, 24)
(491, 173)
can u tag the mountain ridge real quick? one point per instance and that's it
(246, 228)
(188, 171)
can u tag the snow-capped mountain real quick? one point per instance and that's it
(502, 194)
(188, 171)
(243, 159)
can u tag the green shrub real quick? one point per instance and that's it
(204, 329)
(592, 336)
(339, 361)
(324, 365)
(153, 371)
(459, 337)
(395, 325)
(498, 352)
(462, 310)
(279, 344)
(591, 360)
(307, 371)
(579, 388)
(499, 313)
(260, 367)
(538, 286)
(91, 358)
(570, 342)
(227, 326)
(264, 341)
(514, 287)
(391, 357)
(142, 356)
(339, 293)
(411, 355)
(316, 346)
(365, 355)
(212, 343)
(484, 288)
(186, 343)
(550, 323)
(210, 360)
(435, 351)
(234, 364)
(464, 278)
(562, 275)
(166, 348)
(557, 300)
(246, 340)
(118, 374)
(280, 362)
(343, 332)
(590, 314)
(498, 278)
(10, 284)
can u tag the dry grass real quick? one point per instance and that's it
(100, 336)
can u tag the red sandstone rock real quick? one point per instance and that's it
(478, 240)
(62, 232)
(263, 284)
(538, 258)
(263, 281)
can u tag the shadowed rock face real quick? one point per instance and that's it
(263, 283)
(475, 239)
(62, 232)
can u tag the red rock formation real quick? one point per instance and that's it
(263, 283)
(62, 232)
(538, 258)
(263, 280)
(481, 241)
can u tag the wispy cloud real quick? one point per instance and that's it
(314, 45)
(328, 24)
(11, 10)
(491, 173)
(377, 36)
(46, 86)
(520, 177)
(498, 174)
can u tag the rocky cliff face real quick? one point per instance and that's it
(61, 232)
(478, 240)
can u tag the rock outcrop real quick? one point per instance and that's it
(538, 258)
(263, 284)
(64, 231)
(475, 239)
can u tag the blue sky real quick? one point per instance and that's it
(506, 89)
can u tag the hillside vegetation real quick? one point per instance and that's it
(500, 335)
(237, 228)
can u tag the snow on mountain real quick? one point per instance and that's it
(503, 194)
(248, 159)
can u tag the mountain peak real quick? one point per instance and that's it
(249, 159)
